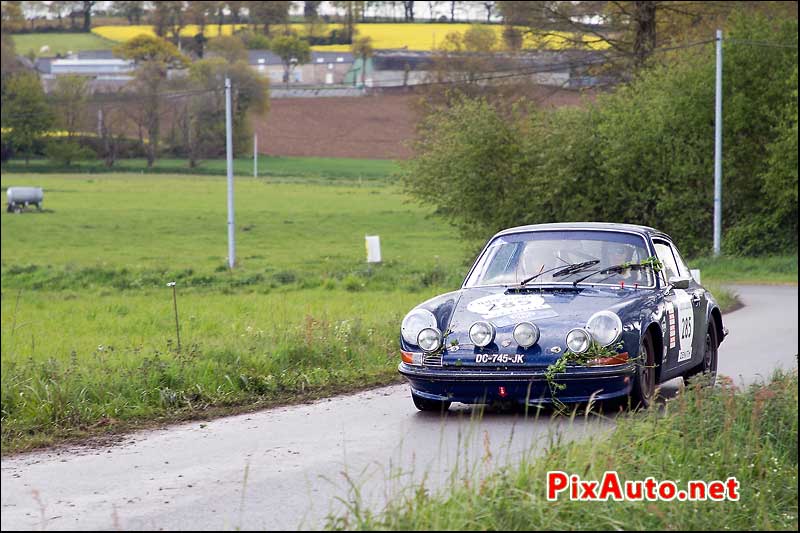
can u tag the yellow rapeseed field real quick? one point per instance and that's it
(421, 37)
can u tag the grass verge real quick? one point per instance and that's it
(776, 269)
(704, 434)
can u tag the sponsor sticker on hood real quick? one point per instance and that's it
(506, 309)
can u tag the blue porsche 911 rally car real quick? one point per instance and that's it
(563, 313)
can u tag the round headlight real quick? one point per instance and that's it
(526, 334)
(429, 339)
(414, 322)
(578, 340)
(481, 334)
(605, 327)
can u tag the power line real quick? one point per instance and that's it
(762, 43)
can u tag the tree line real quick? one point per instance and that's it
(169, 99)
(642, 154)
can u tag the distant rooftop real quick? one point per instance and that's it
(267, 57)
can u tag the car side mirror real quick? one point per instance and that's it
(680, 282)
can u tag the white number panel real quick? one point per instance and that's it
(683, 325)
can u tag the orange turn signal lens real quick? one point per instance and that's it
(408, 357)
(618, 359)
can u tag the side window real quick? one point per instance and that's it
(664, 253)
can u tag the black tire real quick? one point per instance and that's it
(424, 404)
(708, 367)
(644, 383)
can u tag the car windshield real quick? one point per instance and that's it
(545, 256)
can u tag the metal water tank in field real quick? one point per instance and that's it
(19, 197)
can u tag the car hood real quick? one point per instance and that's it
(555, 310)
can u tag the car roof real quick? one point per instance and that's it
(605, 226)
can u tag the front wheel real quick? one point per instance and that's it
(424, 404)
(644, 384)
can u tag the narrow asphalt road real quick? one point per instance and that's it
(287, 468)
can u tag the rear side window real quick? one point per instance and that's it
(682, 268)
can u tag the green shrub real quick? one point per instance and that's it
(642, 155)
(66, 152)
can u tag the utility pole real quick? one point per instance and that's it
(255, 155)
(718, 151)
(229, 150)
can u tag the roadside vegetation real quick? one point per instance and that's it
(703, 434)
(642, 154)
(778, 269)
(89, 340)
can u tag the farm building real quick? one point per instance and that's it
(325, 68)
(570, 68)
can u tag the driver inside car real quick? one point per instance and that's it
(619, 254)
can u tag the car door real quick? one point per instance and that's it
(679, 334)
(699, 299)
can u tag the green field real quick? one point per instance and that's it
(87, 320)
(59, 43)
(321, 168)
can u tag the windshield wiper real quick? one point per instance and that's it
(575, 268)
(615, 269)
(562, 271)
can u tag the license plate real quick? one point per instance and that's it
(500, 358)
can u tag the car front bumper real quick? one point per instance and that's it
(471, 385)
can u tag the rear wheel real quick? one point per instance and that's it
(424, 404)
(644, 384)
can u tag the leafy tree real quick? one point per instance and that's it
(353, 11)
(69, 99)
(269, 13)
(12, 16)
(310, 10)
(254, 41)
(88, 5)
(229, 47)
(153, 56)
(25, 113)
(408, 11)
(148, 48)
(59, 9)
(479, 38)
(133, 11)
(8, 59)
(459, 62)
(362, 48)
(64, 152)
(631, 30)
(169, 18)
(293, 51)
(199, 13)
(453, 5)
(206, 112)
